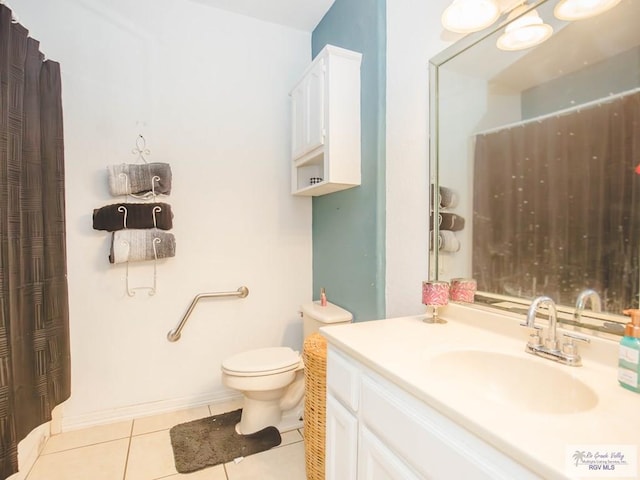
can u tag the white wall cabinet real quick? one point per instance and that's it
(308, 111)
(398, 436)
(325, 136)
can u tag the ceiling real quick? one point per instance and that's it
(299, 14)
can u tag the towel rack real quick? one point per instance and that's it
(142, 151)
(131, 291)
(174, 335)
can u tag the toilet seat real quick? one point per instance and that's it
(262, 361)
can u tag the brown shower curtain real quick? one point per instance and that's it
(34, 332)
(557, 206)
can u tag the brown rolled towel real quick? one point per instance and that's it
(138, 215)
(448, 221)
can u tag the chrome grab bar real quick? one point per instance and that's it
(174, 335)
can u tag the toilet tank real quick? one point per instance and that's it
(315, 316)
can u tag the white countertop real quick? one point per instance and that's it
(401, 350)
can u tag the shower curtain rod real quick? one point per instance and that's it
(565, 111)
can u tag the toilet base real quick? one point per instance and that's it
(256, 416)
(291, 420)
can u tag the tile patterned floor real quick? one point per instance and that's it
(141, 450)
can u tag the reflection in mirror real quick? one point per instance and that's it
(540, 148)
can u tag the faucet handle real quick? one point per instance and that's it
(571, 348)
(534, 338)
(572, 336)
(535, 327)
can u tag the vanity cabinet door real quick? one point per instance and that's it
(430, 443)
(341, 442)
(377, 462)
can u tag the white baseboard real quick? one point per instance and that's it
(131, 412)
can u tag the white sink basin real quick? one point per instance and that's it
(515, 381)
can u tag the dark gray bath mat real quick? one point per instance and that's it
(213, 440)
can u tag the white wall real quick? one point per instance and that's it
(414, 35)
(468, 105)
(209, 91)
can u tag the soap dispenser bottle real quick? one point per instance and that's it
(629, 356)
(323, 298)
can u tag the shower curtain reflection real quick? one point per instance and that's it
(557, 206)
(34, 334)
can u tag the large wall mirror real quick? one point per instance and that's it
(535, 165)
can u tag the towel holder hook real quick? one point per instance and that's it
(141, 148)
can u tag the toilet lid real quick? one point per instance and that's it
(262, 360)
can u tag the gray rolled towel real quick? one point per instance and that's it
(139, 179)
(140, 245)
(447, 197)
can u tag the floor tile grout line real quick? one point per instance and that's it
(84, 445)
(26, 477)
(126, 458)
(161, 429)
(299, 438)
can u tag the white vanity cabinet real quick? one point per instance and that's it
(376, 430)
(325, 136)
(342, 434)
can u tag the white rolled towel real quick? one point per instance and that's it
(447, 242)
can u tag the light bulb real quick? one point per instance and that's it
(524, 32)
(465, 16)
(570, 10)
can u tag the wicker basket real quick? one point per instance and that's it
(315, 383)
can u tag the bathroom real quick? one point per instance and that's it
(208, 90)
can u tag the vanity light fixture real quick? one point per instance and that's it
(524, 32)
(465, 16)
(570, 10)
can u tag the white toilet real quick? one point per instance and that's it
(272, 379)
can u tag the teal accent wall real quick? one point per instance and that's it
(349, 226)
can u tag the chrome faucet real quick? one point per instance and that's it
(550, 342)
(548, 347)
(581, 303)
